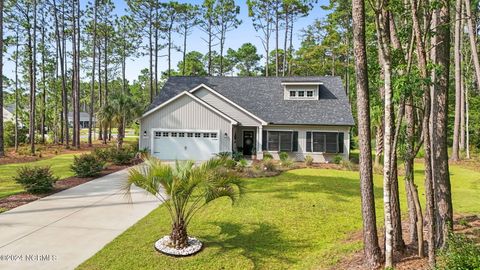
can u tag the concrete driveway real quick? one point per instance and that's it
(63, 230)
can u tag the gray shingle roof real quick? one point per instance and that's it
(263, 96)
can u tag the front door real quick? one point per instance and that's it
(248, 142)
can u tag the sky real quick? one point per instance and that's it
(235, 38)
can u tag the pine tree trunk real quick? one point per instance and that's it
(32, 44)
(372, 251)
(2, 150)
(17, 44)
(458, 80)
(100, 91)
(92, 87)
(284, 68)
(472, 30)
(442, 192)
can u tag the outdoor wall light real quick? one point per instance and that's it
(144, 133)
(226, 135)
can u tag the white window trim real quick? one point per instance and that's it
(315, 96)
(322, 131)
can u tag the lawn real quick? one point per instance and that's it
(60, 166)
(298, 220)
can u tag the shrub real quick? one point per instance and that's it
(122, 156)
(224, 155)
(267, 156)
(348, 165)
(460, 253)
(237, 156)
(9, 131)
(35, 179)
(230, 164)
(283, 156)
(337, 159)
(102, 153)
(242, 164)
(87, 165)
(308, 160)
(287, 163)
(269, 165)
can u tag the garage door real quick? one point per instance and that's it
(185, 145)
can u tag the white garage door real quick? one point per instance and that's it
(185, 145)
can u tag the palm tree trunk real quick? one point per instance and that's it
(179, 236)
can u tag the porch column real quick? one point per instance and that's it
(259, 142)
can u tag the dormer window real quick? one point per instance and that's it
(301, 90)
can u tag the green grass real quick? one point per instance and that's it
(60, 166)
(298, 220)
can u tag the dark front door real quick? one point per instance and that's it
(248, 142)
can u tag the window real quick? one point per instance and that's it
(206, 135)
(293, 93)
(309, 93)
(213, 135)
(281, 141)
(165, 134)
(197, 135)
(326, 142)
(190, 134)
(181, 134)
(174, 134)
(301, 93)
(158, 133)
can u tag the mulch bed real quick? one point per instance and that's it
(19, 199)
(44, 152)
(468, 225)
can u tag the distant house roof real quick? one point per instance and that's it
(264, 97)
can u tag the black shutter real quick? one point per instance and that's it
(309, 141)
(264, 140)
(340, 142)
(295, 141)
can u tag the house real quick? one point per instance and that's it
(193, 118)
(84, 119)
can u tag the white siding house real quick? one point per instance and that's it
(198, 117)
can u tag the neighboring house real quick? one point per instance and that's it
(8, 115)
(84, 119)
(198, 117)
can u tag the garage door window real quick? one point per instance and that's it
(206, 135)
(174, 134)
(165, 134)
(213, 135)
(198, 135)
(158, 134)
(181, 134)
(190, 134)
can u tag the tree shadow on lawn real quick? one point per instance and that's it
(290, 186)
(261, 245)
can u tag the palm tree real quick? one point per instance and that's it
(185, 189)
(105, 116)
(124, 109)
